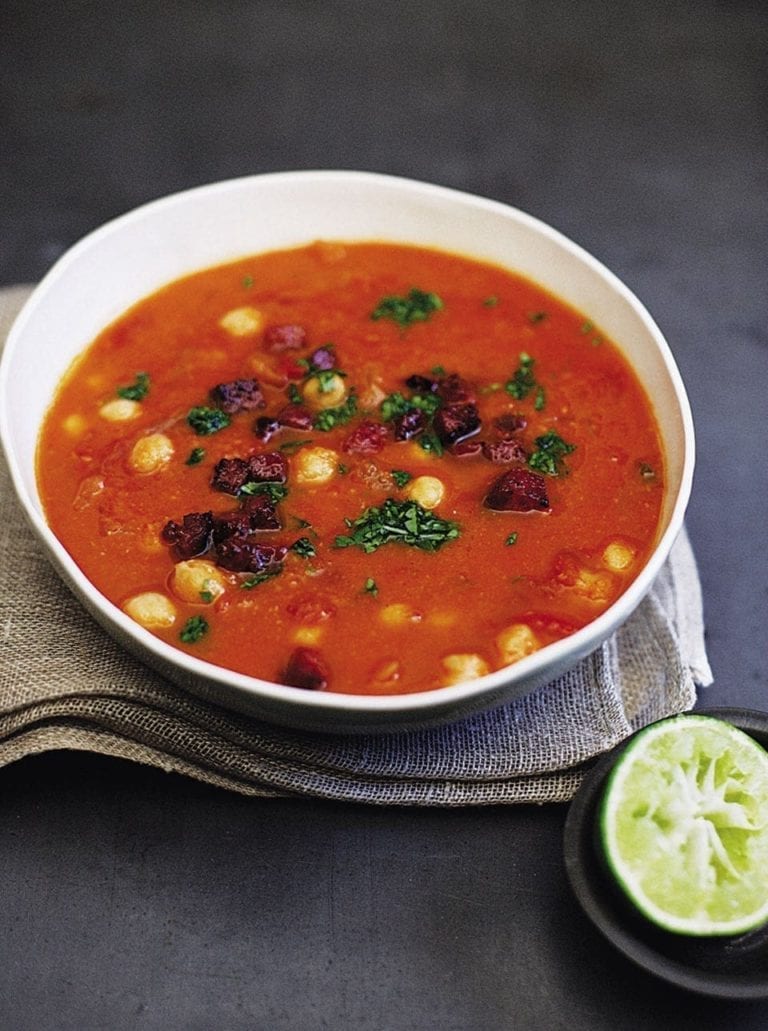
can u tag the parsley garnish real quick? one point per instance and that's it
(551, 451)
(304, 547)
(395, 405)
(429, 441)
(195, 628)
(371, 587)
(247, 282)
(512, 539)
(416, 306)
(205, 421)
(400, 476)
(490, 302)
(404, 522)
(196, 455)
(293, 394)
(290, 447)
(207, 594)
(523, 382)
(138, 390)
(275, 491)
(329, 418)
(260, 578)
(534, 317)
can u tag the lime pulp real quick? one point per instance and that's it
(683, 824)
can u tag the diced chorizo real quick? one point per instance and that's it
(509, 423)
(366, 439)
(467, 448)
(455, 390)
(284, 338)
(295, 417)
(266, 427)
(239, 395)
(410, 424)
(323, 358)
(505, 452)
(455, 421)
(192, 536)
(230, 474)
(268, 467)
(306, 668)
(246, 555)
(421, 384)
(518, 490)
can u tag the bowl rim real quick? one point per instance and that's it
(453, 697)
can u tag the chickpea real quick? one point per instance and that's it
(151, 453)
(151, 609)
(325, 391)
(197, 581)
(595, 587)
(120, 409)
(398, 614)
(515, 642)
(618, 556)
(315, 465)
(242, 322)
(74, 425)
(428, 491)
(459, 667)
(308, 636)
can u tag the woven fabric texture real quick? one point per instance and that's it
(64, 684)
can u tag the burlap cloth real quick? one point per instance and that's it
(64, 684)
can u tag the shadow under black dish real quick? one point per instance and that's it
(729, 968)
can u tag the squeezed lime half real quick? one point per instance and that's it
(683, 824)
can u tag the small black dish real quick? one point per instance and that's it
(725, 968)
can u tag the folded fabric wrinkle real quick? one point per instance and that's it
(64, 684)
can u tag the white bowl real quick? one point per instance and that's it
(125, 260)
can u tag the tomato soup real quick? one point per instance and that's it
(367, 468)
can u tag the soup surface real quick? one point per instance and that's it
(365, 468)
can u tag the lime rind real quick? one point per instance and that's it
(683, 824)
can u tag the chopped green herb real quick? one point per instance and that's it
(416, 306)
(290, 447)
(293, 394)
(535, 317)
(332, 417)
(275, 491)
(512, 539)
(205, 421)
(304, 547)
(541, 398)
(371, 587)
(401, 477)
(523, 380)
(260, 578)
(551, 451)
(196, 455)
(207, 594)
(438, 370)
(326, 379)
(395, 405)
(301, 524)
(587, 327)
(195, 628)
(430, 442)
(490, 302)
(247, 282)
(138, 390)
(342, 469)
(404, 522)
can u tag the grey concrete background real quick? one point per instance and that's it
(136, 900)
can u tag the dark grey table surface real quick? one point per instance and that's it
(134, 899)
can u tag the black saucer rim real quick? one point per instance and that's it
(597, 898)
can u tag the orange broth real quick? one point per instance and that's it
(391, 620)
